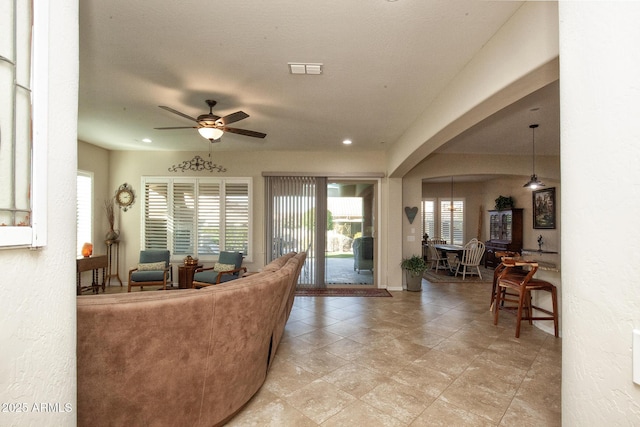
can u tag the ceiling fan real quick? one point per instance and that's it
(212, 127)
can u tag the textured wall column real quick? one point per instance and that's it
(600, 149)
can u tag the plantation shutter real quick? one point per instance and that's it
(184, 217)
(429, 218)
(236, 226)
(209, 218)
(156, 216)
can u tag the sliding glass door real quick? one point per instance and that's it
(334, 222)
(349, 249)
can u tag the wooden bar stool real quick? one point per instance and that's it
(522, 285)
(496, 273)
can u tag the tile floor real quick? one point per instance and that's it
(432, 358)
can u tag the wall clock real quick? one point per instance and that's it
(125, 197)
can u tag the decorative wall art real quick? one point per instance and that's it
(544, 208)
(411, 213)
(197, 164)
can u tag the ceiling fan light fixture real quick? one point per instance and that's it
(210, 133)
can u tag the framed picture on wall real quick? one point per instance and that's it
(544, 208)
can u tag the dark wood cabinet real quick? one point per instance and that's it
(505, 234)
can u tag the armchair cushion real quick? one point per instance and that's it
(224, 267)
(150, 266)
(148, 276)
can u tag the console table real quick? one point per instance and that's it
(91, 263)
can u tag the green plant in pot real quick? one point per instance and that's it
(503, 203)
(414, 268)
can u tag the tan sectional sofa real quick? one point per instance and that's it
(182, 357)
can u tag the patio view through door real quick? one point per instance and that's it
(349, 249)
(334, 222)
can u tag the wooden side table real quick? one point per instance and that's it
(91, 263)
(185, 275)
(113, 254)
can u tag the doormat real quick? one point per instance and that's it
(342, 292)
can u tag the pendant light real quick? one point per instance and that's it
(534, 182)
(451, 208)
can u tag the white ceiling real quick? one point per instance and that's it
(384, 63)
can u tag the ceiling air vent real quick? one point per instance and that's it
(302, 68)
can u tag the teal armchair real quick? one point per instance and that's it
(154, 269)
(228, 267)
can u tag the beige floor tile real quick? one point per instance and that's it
(431, 382)
(319, 400)
(354, 379)
(348, 349)
(443, 414)
(447, 363)
(398, 400)
(346, 328)
(269, 412)
(477, 398)
(319, 337)
(284, 377)
(360, 414)
(522, 413)
(319, 362)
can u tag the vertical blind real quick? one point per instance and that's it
(197, 216)
(295, 209)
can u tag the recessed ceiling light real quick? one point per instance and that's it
(147, 140)
(347, 142)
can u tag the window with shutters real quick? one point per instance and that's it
(84, 210)
(452, 221)
(197, 216)
(429, 218)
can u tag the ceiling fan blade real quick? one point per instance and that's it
(178, 127)
(233, 117)
(171, 110)
(244, 132)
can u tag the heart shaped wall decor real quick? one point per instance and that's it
(411, 213)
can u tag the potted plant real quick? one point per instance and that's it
(504, 203)
(414, 267)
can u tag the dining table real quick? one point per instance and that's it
(447, 249)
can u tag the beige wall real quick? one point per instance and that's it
(130, 166)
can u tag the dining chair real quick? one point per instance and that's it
(522, 285)
(437, 259)
(471, 257)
